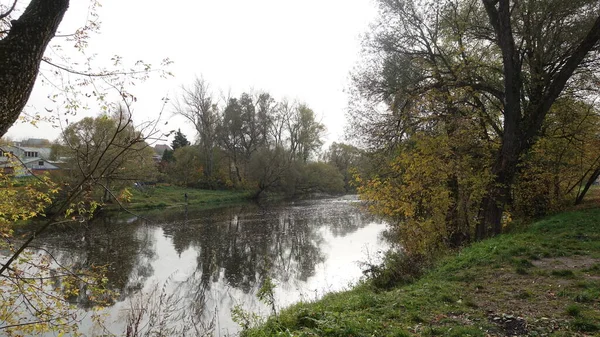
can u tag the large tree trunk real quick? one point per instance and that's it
(21, 52)
(498, 196)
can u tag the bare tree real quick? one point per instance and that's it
(197, 104)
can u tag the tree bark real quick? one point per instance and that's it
(21, 52)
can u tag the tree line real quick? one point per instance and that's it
(251, 142)
(254, 142)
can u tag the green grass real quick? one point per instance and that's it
(542, 280)
(161, 196)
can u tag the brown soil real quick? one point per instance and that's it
(534, 303)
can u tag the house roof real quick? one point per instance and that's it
(160, 148)
(43, 152)
(5, 162)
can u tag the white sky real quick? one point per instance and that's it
(301, 50)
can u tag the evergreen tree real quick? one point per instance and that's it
(168, 156)
(179, 141)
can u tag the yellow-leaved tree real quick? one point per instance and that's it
(34, 287)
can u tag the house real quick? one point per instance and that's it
(23, 152)
(25, 161)
(159, 150)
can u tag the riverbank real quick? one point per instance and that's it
(162, 196)
(543, 280)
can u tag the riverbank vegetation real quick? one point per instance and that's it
(540, 280)
(158, 196)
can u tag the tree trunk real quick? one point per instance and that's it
(458, 232)
(498, 196)
(209, 158)
(588, 184)
(21, 52)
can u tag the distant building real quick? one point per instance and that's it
(40, 165)
(25, 161)
(159, 150)
(26, 152)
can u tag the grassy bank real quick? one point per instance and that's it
(540, 281)
(173, 196)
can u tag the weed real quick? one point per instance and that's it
(563, 273)
(397, 269)
(266, 294)
(584, 297)
(447, 298)
(584, 325)
(415, 318)
(523, 294)
(245, 319)
(400, 333)
(524, 263)
(573, 310)
(521, 270)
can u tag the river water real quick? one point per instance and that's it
(204, 263)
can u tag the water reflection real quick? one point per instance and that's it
(216, 259)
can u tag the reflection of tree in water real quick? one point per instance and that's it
(341, 217)
(236, 246)
(243, 243)
(125, 248)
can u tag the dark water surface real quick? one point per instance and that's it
(214, 260)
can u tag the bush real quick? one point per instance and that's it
(397, 268)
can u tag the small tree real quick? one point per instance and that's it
(112, 143)
(185, 170)
(179, 141)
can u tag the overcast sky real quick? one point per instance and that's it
(301, 50)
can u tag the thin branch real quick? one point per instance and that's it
(107, 74)
(25, 324)
(4, 15)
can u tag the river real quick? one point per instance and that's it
(203, 263)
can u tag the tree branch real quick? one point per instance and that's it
(4, 15)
